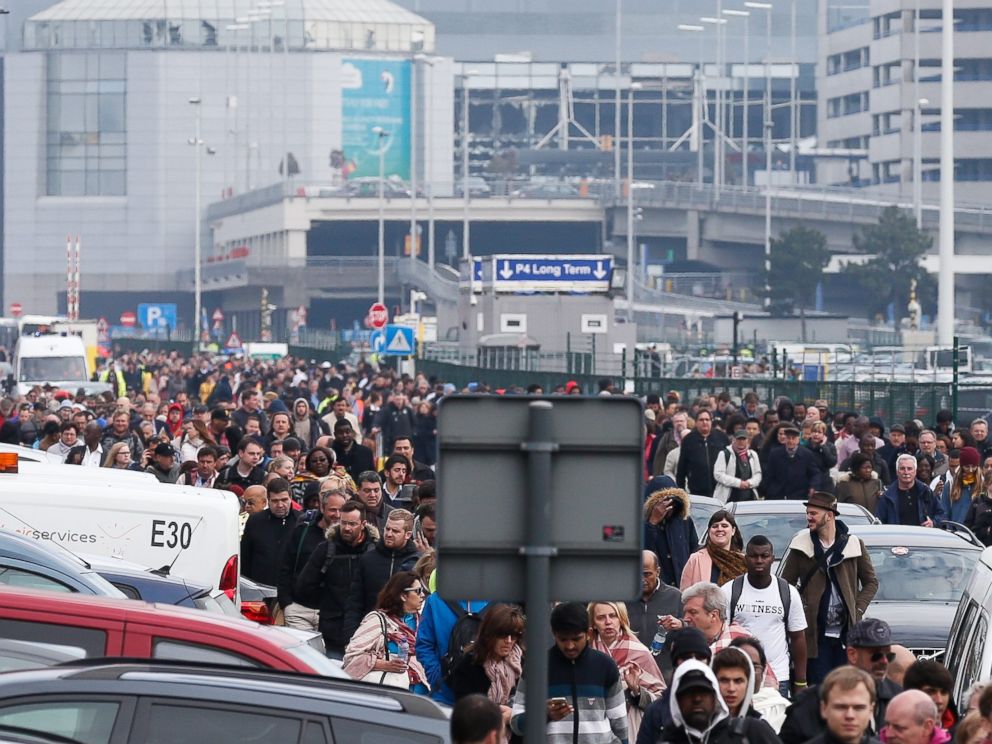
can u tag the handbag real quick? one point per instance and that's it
(389, 679)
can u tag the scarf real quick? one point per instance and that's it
(402, 631)
(503, 675)
(729, 562)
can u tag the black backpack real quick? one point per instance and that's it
(783, 592)
(463, 634)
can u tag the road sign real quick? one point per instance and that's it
(218, 316)
(588, 273)
(233, 343)
(594, 323)
(398, 341)
(377, 340)
(128, 319)
(157, 315)
(16, 309)
(378, 315)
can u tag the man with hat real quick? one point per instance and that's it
(699, 713)
(791, 470)
(909, 501)
(164, 465)
(835, 578)
(869, 648)
(224, 433)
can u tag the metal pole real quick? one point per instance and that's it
(197, 248)
(793, 104)
(414, 109)
(747, 100)
(616, 99)
(698, 101)
(382, 219)
(955, 359)
(466, 238)
(945, 286)
(429, 179)
(721, 114)
(917, 132)
(768, 161)
(538, 553)
(630, 204)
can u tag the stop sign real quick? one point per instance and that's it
(378, 315)
(16, 309)
(128, 319)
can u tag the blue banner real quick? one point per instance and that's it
(375, 93)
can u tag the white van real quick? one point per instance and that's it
(969, 654)
(191, 532)
(59, 360)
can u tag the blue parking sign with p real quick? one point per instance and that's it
(153, 316)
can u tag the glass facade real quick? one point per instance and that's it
(87, 124)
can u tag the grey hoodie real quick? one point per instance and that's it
(746, 705)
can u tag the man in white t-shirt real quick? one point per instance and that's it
(756, 603)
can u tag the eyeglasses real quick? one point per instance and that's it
(419, 590)
(515, 635)
(879, 655)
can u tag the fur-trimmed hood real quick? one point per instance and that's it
(675, 493)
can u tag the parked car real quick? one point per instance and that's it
(26, 563)
(258, 601)
(477, 188)
(702, 508)
(547, 191)
(779, 521)
(18, 655)
(100, 703)
(922, 573)
(368, 187)
(112, 627)
(969, 654)
(138, 582)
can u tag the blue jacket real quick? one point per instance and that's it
(436, 622)
(957, 511)
(887, 509)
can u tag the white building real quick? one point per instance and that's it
(868, 88)
(99, 127)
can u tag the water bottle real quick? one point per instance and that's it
(658, 642)
(402, 651)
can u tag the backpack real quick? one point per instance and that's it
(463, 634)
(783, 592)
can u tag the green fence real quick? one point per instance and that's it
(892, 401)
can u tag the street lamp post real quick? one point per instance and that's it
(382, 134)
(793, 103)
(197, 143)
(630, 200)
(718, 144)
(746, 15)
(918, 161)
(466, 227)
(945, 282)
(698, 101)
(618, 48)
(767, 121)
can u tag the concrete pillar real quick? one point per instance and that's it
(693, 227)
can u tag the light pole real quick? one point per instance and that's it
(618, 48)
(466, 235)
(414, 109)
(197, 143)
(718, 159)
(945, 282)
(746, 15)
(698, 101)
(918, 161)
(382, 134)
(630, 200)
(793, 104)
(767, 121)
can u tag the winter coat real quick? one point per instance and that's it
(263, 543)
(356, 460)
(395, 422)
(725, 474)
(325, 581)
(865, 493)
(374, 569)
(306, 536)
(855, 577)
(956, 511)
(825, 458)
(790, 477)
(803, 722)
(673, 540)
(979, 519)
(928, 507)
(433, 634)
(665, 444)
(878, 464)
(697, 458)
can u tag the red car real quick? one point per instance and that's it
(98, 627)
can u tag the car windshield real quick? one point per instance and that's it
(780, 527)
(920, 574)
(317, 661)
(41, 369)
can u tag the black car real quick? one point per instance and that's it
(149, 585)
(102, 702)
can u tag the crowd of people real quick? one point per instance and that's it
(334, 468)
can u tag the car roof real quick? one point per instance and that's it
(786, 506)
(135, 611)
(14, 545)
(895, 534)
(216, 681)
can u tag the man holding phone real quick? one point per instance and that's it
(573, 665)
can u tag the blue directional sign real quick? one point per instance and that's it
(476, 269)
(399, 341)
(588, 273)
(377, 340)
(153, 316)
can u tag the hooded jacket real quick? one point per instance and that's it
(315, 429)
(374, 569)
(673, 540)
(725, 474)
(263, 543)
(433, 635)
(855, 578)
(697, 457)
(746, 705)
(325, 581)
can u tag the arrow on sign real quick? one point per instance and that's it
(505, 272)
(599, 273)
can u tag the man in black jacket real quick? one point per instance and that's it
(354, 457)
(266, 534)
(697, 456)
(869, 648)
(326, 579)
(396, 419)
(307, 535)
(394, 553)
(790, 472)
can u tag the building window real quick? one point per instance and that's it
(87, 132)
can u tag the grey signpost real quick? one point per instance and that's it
(539, 500)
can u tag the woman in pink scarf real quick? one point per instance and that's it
(609, 631)
(495, 662)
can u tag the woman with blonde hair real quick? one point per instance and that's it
(119, 458)
(966, 487)
(610, 633)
